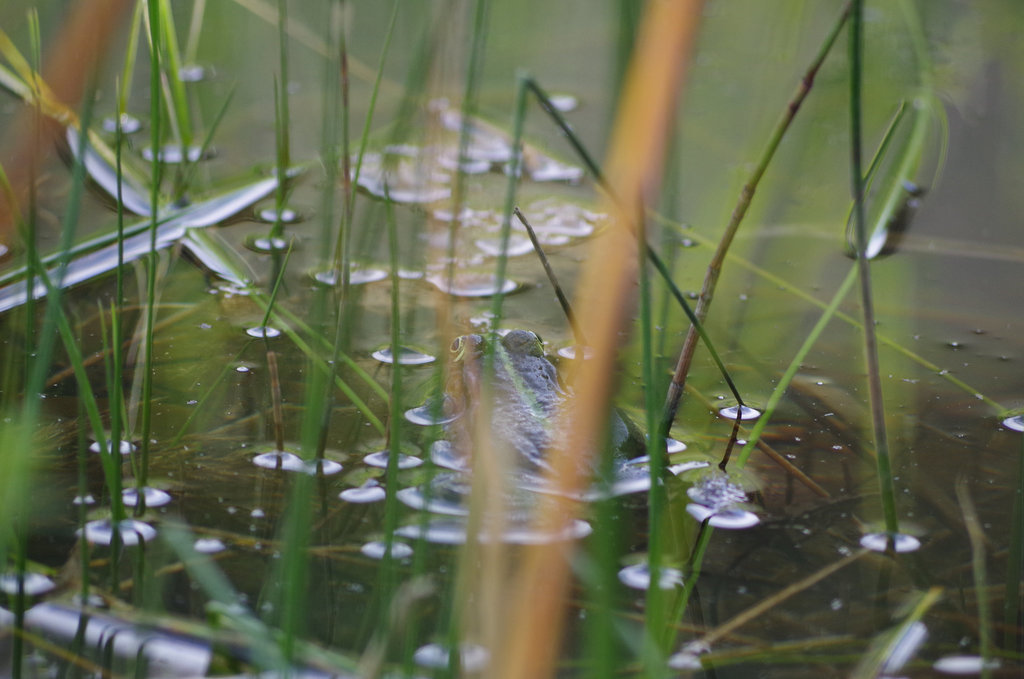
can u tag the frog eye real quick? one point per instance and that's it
(456, 345)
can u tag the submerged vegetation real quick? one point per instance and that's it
(274, 394)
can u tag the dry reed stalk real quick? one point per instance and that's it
(536, 597)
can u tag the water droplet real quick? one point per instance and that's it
(131, 531)
(472, 285)
(963, 664)
(879, 542)
(277, 459)
(172, 153)
(638, 576)
(746, 413)
(129, 124)
(33, 584)
(406, 356)
(428, 414)
(571, 352)
(472, 657)
(208, 546)
(378, 548)
(270, 215)
(1015, 423)
(380, 459)
(154, 497)
(267, 244)
(263, 332)
(363, 494)
(124, 447)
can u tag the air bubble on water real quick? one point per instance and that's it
(86, 499)
(572, 351)
(380, 459)
(451, 532)
(727, 519)
(1015, 423)
(879, 542)
(129, 124)
(208, 545)
(472, 285)
(263, 332)
(517, 246)
(422, 499)
(173, 154)
(32, 584)
(191, 73)
(364, 494)
(674, 446)
(356, 276)
(473, 658)
(124, 447)
(963, 664)
(406, 356)
(322, 467)
(564, 103)
(745, 413)
(270, 215)
(443, 454)
(378, 548)
(267, 244)
(278, 459)
(131, 531)
(154, 497)
(638, 576)
(428, 414)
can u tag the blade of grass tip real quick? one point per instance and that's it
(646, 113)
(128, 68)
(171, 62)
(659, 265)
(563, 301)
(714, 269)
(979, 571)
(876, 402)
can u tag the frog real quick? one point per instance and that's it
(526, 394)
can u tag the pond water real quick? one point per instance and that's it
(235, 392)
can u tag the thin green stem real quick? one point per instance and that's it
(877, 405)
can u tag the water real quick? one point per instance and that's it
(948, 305)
